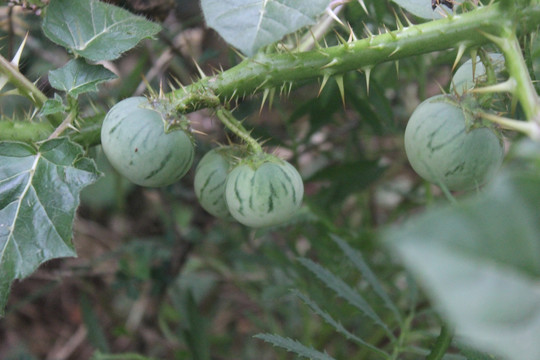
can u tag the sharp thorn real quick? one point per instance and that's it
(368, 75)
(265, 96)
(323, 83)
(17, 57)
(201, 73)
(460, 52)
(361, 2)
(341, 87)
(334, 16)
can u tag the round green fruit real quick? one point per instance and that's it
(134, 140)
(444, 149)
(263, 191)
(210, 178)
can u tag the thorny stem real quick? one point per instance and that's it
(25, 86)
(266, 71)
(238, 129)
(517, 68)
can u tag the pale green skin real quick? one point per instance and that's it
(463, 80)
(210, 178)
(264, 195)
(137, 146)
(443, 152)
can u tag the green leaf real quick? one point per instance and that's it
(252, 24)
(95, 30)
(344, 291)
(336, 324)
(479, 261)
(423, 9)
(294, 346)
(53, 106)
(39, 193)
(77, 77)
(358, 260)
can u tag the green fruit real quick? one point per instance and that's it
(137, 146)
(463, 80)
(263, 191)
(210, 178)
(445, 150)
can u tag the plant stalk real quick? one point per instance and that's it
(238, 129)
(441, 345)
(266, 71)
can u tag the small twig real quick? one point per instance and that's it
(63, 126)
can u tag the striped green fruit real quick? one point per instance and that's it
(445, 147)
(210, 177)
(263, 190)
(137, 145)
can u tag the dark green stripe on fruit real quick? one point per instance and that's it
(238, 196)
(203, 188)
(160, 167)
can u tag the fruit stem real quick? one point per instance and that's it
(529, 128)
(228, 119)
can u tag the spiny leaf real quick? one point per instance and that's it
(294, 346)
(94, 29)
(36, 218)
(251, 24)
(78, 77)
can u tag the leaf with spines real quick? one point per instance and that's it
(78, 77)
(294, 347)
(95, 30)
(39, 193)
(251, 24)
(53, 106)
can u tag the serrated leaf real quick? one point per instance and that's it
(95, 30)
(78, 77)
(53, 106)
(344, 291)
(294, 347)
(423, 9)
(39, 193)
(252, 24)
(479, 261)
(358, 261)
(335, 324)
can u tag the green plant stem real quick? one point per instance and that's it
(277, 70)
(25, 131)
(517, 68)
(441, 345)
(238, 129)
(25, 87)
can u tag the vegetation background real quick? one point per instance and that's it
(158, 277)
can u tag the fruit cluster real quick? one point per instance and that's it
(153, 149)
